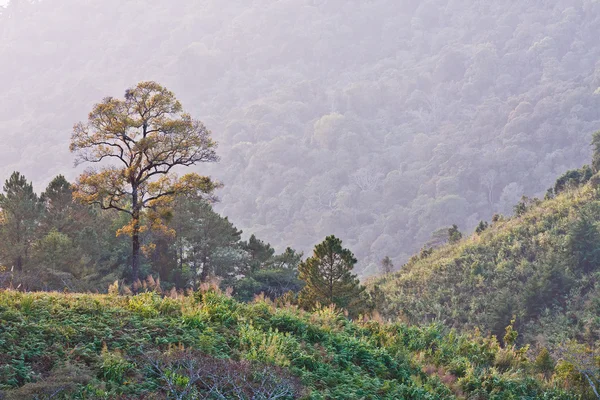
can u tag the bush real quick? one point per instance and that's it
(189, 374)
(62, 382)
(114, 367)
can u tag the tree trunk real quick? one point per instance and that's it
(135, 241)
(135, 253)
(205, 271)
(194, 271)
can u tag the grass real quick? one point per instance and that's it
(90, 346)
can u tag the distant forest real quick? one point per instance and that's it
(378, 121)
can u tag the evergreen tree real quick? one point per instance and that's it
(290, 259)
(387, 266)
(61, 212)
(58, 263)
(454, 235)
(483, 225)
(278, 277)
(584, 241)
(21, 212)
(596, 152)
(572, 179)
(329, 279)
(207, 243)
(259, 253)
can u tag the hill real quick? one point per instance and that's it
(378, 122)
(539, 266)
(206, 345)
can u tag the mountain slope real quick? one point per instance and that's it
(146, 346)
(541, 266)
(378, 122)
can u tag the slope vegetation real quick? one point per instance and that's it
(210, 346)
(541, 266)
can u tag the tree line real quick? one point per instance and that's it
(136, 218)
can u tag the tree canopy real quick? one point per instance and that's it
(149, 136)
(329, 278)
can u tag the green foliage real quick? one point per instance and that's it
(572, 179)
(21, 209)
(206, 243)
(596, 151)
(454, 235)
(329, 279)
(483, 225)
(113, 366)
(544, 362)
(259, 253)
(539, 266)
(510, 337)
(584, 239)
(66, 245)
(273, 283)
(120, 347)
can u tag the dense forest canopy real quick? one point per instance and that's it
(377, 121)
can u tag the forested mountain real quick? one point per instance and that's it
(538, 268)
(378, 121)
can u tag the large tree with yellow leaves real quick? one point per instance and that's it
(138, 142)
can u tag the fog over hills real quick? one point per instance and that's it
(378, 121)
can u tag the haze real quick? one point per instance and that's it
(379, 122)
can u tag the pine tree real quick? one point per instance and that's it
(387, 266)
(61, 212)
(277, 277)
(259, 252)
(584, 241)
(207, 243)
(329, 279)
(596, 152)
(21, 212)
(483, 225)
(454, 235)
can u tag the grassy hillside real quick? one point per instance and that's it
(210, 346)
(541, 266)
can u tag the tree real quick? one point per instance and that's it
(329, 279)
(21, 211)
(596, 152)
(277, 276)
(454, 235)
(58, 261)
(481, 227)
(584, 359)
(148, 135)
(259, 253)
(584, 240)
(207, 243)
(61, 212)
(438, 238)
(572, 179)
(387, 266)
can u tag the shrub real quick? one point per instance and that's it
(113, 365)
(62, 381)
(188, 374)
